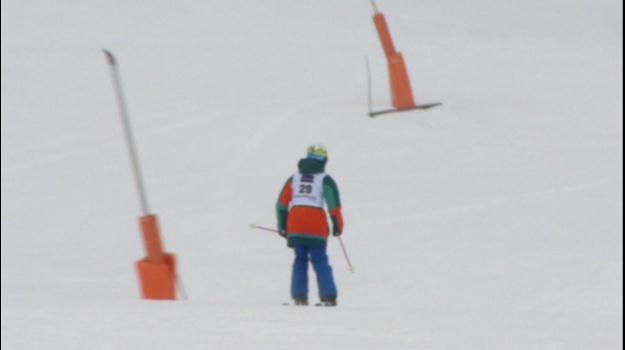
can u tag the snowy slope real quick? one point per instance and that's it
(493, 222)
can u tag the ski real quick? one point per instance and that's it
(325, 305)
(425, 106)
(286, 303)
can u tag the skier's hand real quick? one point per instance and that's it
(337, 221)
(282, 221)
(335, 231)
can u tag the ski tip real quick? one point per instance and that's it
(110, 58)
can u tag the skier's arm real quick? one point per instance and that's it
(282, 206)
(333, 200)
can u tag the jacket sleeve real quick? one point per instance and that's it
(282, 205)
(333, 200)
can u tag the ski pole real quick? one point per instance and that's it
(267, 229)
(264, 228)
(349, 263)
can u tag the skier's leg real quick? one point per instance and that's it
(325, 279)
(299, 278)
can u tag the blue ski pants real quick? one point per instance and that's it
(299, 279)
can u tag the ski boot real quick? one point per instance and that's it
(327, 302)
(300, 301)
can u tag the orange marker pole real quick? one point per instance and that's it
(157, 272)
(152, 239)
(123, 113)
(384, 33)
(401, 91)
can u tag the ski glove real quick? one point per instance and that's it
(337, 221)
(336, 230)
(282, 218)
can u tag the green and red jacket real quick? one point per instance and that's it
(308, 224)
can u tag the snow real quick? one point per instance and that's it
(493, 222)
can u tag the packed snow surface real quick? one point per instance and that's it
(493, 222)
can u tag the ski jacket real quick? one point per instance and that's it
(303, 202)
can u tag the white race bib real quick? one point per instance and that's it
(308, 190)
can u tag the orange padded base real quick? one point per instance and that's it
(158, 280)
(400, 83)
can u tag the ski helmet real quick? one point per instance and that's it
(317, 151)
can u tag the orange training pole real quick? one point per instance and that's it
(157, 272)
(384, 33)
(151, 238)
(401, 90)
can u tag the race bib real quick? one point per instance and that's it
(308, 190)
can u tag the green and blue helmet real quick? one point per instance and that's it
(318, 152)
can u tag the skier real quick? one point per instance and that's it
(302, 221)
